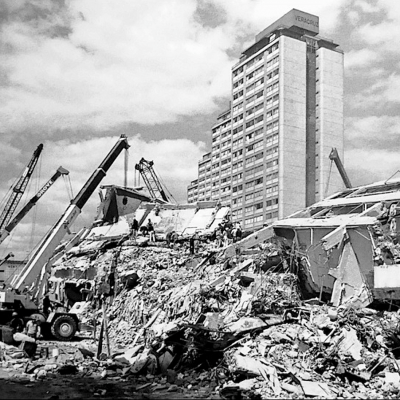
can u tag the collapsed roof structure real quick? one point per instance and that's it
(345, 246)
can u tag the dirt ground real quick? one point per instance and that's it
(78, 388)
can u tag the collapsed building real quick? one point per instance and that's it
(345, 246)
(343, 249)
(239, 320)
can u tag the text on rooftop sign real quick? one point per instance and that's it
(308, 21)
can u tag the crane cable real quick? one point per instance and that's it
(126, 168)
(164, 186)
(38, 173)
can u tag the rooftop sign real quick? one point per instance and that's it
(294, 18)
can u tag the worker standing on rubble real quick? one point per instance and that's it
(383, 215)
(16, 324)
(33, 328)
(237, 237)
(150, 230)
(134, 228)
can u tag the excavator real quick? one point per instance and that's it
(61, 325)
(28, 206)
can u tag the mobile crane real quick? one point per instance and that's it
(28, 206)
(62, 325)
(19, 189)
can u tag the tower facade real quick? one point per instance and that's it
(270, 148)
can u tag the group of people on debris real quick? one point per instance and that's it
(228, 233)
(147, 229)
(29, 332)
(387, 216)
(225, 234)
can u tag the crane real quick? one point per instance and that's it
(21, 214)
(62, 325)
(334, 156)
(19, 189)
(152, 182)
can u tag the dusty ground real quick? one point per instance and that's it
(87, 384)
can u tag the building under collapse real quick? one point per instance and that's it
(344, 247)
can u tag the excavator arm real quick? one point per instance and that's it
(28, 206)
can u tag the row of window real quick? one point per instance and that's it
(253, 220)
(254, 158)
(253, 207)
(254, 109)
(273, 61)
(254, 121)
(253, 85)
(268, 50)
(255, 146)
(254, 182)
(255, 96)
(237, 153)
(238, 83)
(271, 215)
(254, 195)
(254, 170)
(254, 134)
(255, 73)
(272, 202)
(272, 113)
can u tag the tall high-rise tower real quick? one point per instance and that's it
(270, 149)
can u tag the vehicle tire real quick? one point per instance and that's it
(64, 327)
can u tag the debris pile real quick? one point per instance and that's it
(204, 326)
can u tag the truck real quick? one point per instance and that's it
(17, 297)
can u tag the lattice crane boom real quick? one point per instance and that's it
(151, 181)
(19, 189)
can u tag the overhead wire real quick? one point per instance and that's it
(38, 172)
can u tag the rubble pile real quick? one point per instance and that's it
(213, 327)
(205, 326)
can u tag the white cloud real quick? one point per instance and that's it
(146, 62)
(366, 6)
(128, 61)
(255, 13)
(370, 165)
(382, 34)
(355, 59)
(383, 94)
(373, 128)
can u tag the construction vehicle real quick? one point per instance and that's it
(19, 189)
(62, 325)
(28, 206)
(334, 156)
(153, 184)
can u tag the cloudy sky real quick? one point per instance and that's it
(76, 74)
